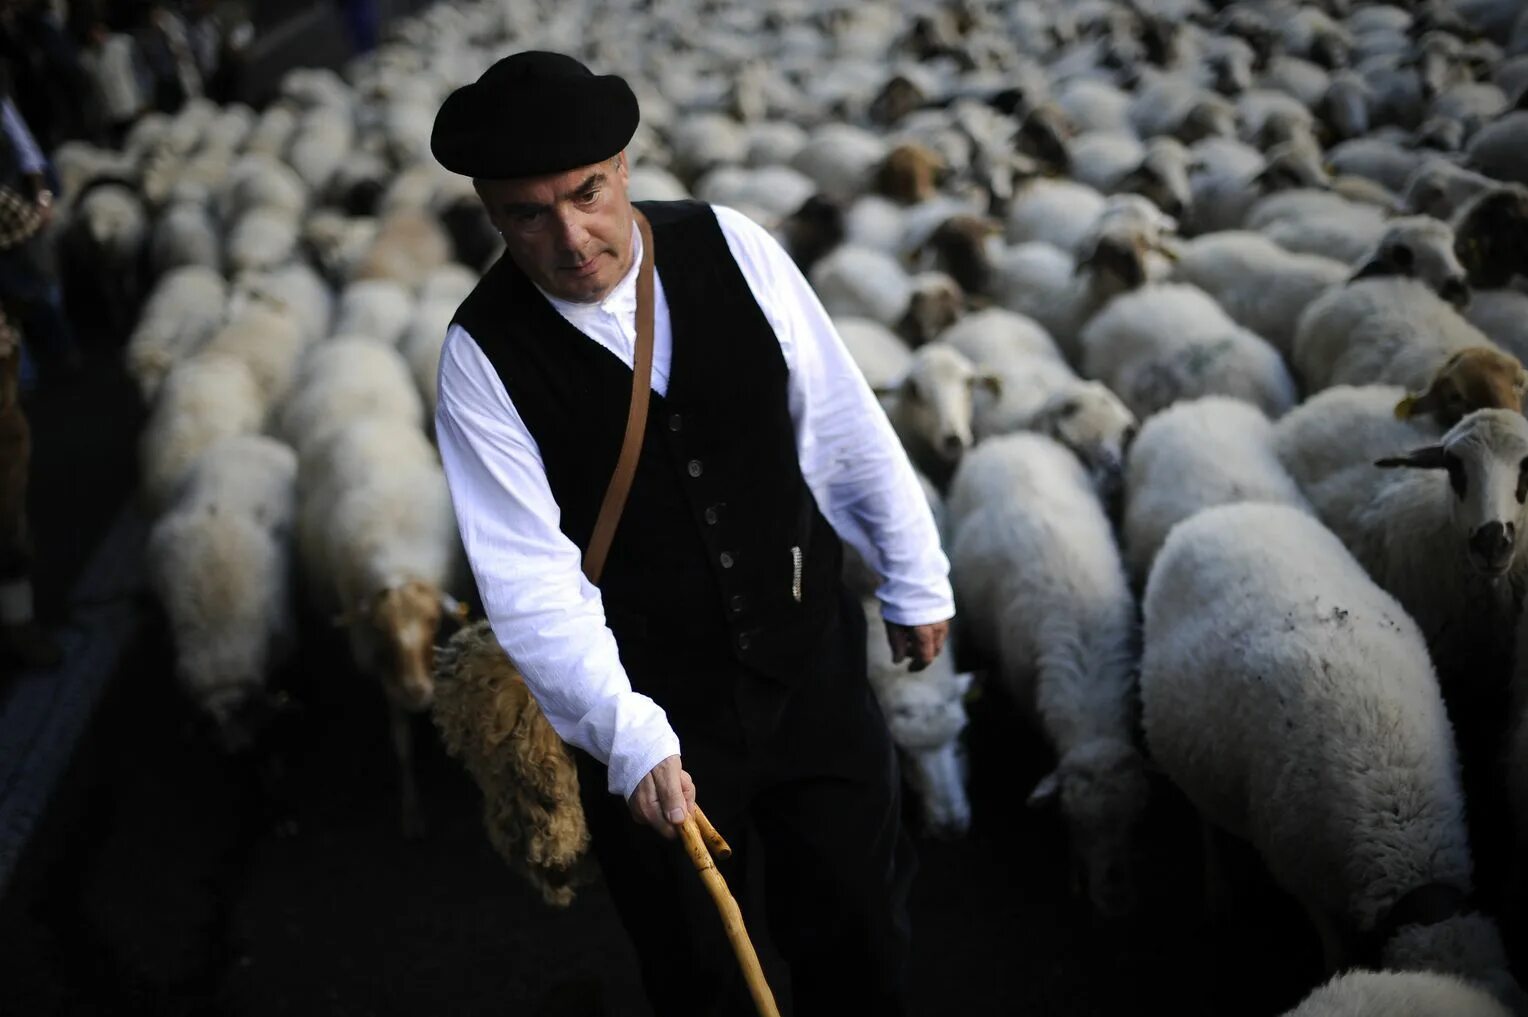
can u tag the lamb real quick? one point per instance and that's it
(378, 309)
(182, 312)
(219, 562)
(1399, 994)
(1042, 593)
(1343, 776)
(377, 536)
(1039, 392)
(344, 379)
(531, 805)
(931, 409)
(925, 712)
(202, 399)
(1190, 457)
(1437, 530)
(1379, 331)
(1167, 342)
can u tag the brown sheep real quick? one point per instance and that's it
(909, 174)
(531, 808)
(1477, 378)
(959, 248)
(409, 246)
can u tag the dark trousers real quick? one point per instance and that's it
(812, 771)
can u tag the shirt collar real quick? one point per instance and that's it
(620, 299)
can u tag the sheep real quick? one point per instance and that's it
(344, 379)
(185, 233)
(202, 399)
(1166, 342)
(1041, 590)
(1497, 148)
(531, 806)
(182, 312)
(377, 537)
(448, 283)
(260, 181)
(1382, 161)
(1379, 331)
(931, 408)
(376, 308)
(262, 332)
(103, 242)
(408, 246)
(651, 183)
(925, 713)
(219, 563)
(337, 243)
(1039, 392)
(1437, 530)
(1303, 715)
(296, 286)
(421, 344)
(1227, 179)
(1503, 316)
(1318, 222)
(1057, 212)
(854, 281)
(262, 238)
(909, 174)
(1399, 994)
(881, 356)
(1191, 456)
(1439, 188)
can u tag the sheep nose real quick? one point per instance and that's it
(952, 445)
(1492, 544)
(1456, 291)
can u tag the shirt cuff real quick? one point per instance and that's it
(627, 769)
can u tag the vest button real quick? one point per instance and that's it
(694, 467)
(726, 560)
(737, 603)
(711, 516)
(743, 641)
(676, 422)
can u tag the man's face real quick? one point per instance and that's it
(570, 232)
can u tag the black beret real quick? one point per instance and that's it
(530, 114)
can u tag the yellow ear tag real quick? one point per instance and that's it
(1405, 408)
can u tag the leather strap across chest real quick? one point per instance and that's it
(614, 501)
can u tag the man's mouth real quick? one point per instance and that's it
(583, 267)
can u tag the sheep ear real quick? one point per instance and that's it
(1045, 792)
(989, 381)
(1429, 458)
(1415, 404)
(1375, 266)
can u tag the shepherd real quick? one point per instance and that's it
(719, 658)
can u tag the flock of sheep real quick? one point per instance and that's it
(1204, 322)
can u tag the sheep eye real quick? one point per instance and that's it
(1068, 408)
(1401, 256)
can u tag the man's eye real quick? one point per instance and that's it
(588, 197)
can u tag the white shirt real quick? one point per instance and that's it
(549, 618)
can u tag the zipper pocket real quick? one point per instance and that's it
(796, 574)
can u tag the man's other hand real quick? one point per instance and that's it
(922, 643)
(664, 797)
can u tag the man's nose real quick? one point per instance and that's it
(572, 234)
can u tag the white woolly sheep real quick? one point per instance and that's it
(1042, 591)
(1303, 715)
(882, 357)
(1056, 212)
(261, 238)
(219, 561)
(185, 233)
(1379, 331)
(931, 408)
(1503, 316)
(1497, 148)
(1192, 456)
(378, 541)
(925, 713)
(376, 308)
(201, 400)
(185, 308)
(1162, 343)
(1318, 222)
(295, 285)
(421, 345)
(408, 246)
(344, 379)
(261, 181)
(1399, 994)
(262, 331)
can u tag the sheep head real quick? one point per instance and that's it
(1162, 177)
(937, 302)
(1090, 419)
(1044, 135)
(935, 400)
(403, 619)
(1491, 236)
(959, 247)
(1422, 248)
(1102, 788)
(1477, 378)
(897, 98)
(1486, 458)
(910, 173)
(926, 713)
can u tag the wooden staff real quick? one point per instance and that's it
(702, 841)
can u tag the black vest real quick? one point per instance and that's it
(721, 549)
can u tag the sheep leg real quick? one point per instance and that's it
(403, 748)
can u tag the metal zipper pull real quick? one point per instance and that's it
(796, 573)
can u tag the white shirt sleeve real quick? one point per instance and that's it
(547, 616)
(850, 457)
